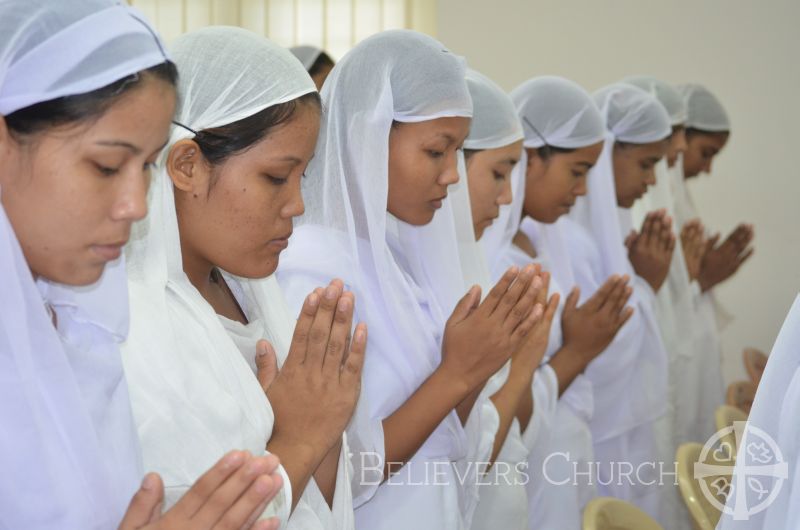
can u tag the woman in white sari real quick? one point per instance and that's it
(630, 383)
(86, 97)
(397, 112)
(493, 149)
(563, 139)
(202, 297)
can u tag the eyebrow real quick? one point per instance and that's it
(446, 136)
(119, 143)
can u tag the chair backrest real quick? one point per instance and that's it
(705, 515)
(755, 361)
(727, 416)
(608, 513)
(741, 395)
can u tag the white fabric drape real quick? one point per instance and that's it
(194, 393)
(774, 410)
(70, 455)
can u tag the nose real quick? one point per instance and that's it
(131, 201)
(295, 206)
(450, 174)
(505, 196)
(650, 177)
(580, 188)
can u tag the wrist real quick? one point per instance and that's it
(456, 384)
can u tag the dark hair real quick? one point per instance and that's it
(692, 131)
(547, 151)
(82, 107)
(469, 152)
(322, 60)
(220, 143)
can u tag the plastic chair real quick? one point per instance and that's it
(755, 361)
(608, 513)
(705, 515)
(741, 395)
(726, 416)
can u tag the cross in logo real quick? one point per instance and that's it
(761, 459)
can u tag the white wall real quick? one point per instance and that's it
(747, 52)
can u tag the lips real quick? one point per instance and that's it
(109, 251)
(280, 243)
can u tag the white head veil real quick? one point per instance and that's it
(70, 453)
(665, 93)
(403, 276)
(307, 55)
(194, 396)
(704, 110)
(555, 112)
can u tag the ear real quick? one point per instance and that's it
(532, 155)
(6, 146)
(187, 168)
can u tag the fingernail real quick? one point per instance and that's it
(330, 292)
(359, 335)
(149, 482)
(262, 349)
(537, 282)
(344, 304)
(263, 485)
(313, 300)
(233, 459)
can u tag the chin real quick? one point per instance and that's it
(256, 270)
(77, 277)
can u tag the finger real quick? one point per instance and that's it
(624, 317)
(712, 241)
(266, 364)
(339, 335)
(670, 243)
(145, 506)
(630, 240)
(527, 324)
(209, 483)
(354, 364)
(609, 304)
(241, 493)
(298, 347)
(544, 291)
(515, 294)
(619, 306)
(320, 332)
(599, 297)
(744, 257)
(647, 229)
(466, 305)
(273, 523)
(572, 301)
(551, 308)
(497, 292)
(524, 304)
(251, 504)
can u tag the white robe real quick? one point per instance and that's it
(775, 412)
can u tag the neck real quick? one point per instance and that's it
(198, 269)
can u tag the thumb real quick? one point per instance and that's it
(466, 305)
(266, 364)
(712, 241)
(630, 239)
(145, 507)
(572, 300)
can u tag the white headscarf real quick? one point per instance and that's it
(194, 395)
(307, 55)
(665, 93)
(403, 276)
(704, 110)
(70, 456)
(556, 112)
(775, 410)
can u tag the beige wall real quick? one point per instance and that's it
(747, 52)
